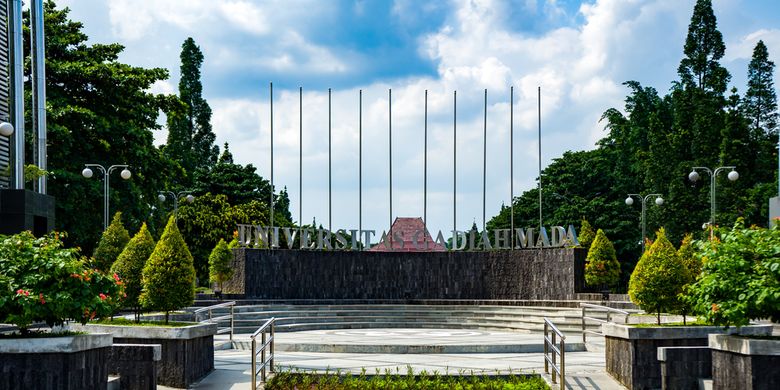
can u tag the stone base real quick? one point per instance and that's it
(683, 367)
(742, 363)
(136, 365)
(22, 210)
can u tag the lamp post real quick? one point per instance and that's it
(87, 173)
(630, 201)
(694, 176)
(189, 198)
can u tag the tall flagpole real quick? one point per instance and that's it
(454, 164)
(539, 107)
(330, 187)
(300, 162)
(425, 167)
(272, 155)
(360, 163)
(512, 163)
(484, 164)
(390, 153)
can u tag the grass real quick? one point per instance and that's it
(289, 380)
(127, 322)
(671, 324)
(40, 334)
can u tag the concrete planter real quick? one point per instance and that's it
(53, 363)
(187, 352)
(744, 363)
(632, 356)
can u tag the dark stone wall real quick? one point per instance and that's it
(183, 361)
(295, 274)
(84, 370)
(736, 371)
(135, 366)
(684, 366)
(634, 362)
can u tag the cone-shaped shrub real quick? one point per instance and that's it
(601, 265)
(168, 277)
(586, 235)
(130, 264)
(219, 263)
(111, 244)
(688, 258)
(658, 278)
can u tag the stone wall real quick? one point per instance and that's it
(82, 370)
(737, 371)
(490, 275)
(682, 367)
(634, 362)
(183, 361)
(135, 364)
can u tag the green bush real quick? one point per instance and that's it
(43, 282)
(168, 277)
(586, 234)
(740, 278)
(601, 265)
(659, 277)
(688, 257)
(219, 264)
(130, 264)
(111, 244)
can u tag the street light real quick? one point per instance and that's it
(88, 173)
(694, 176)
(6, 129)
(189, 198)
(658, 201)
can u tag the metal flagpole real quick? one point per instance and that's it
(330, 187)
(300, 162)
(360, 163)
(484, 164)
(512, 163)
(425, 167)
(390, 154)
(272, 154)
(539, 105)
(454, 160)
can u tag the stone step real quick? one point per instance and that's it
(561, 316)
(526, 347)
(239, 320)
(243, 329)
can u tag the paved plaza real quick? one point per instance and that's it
(585, 370)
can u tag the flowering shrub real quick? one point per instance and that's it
(44, 282)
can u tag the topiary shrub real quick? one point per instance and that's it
(43, 282)
(740, 278)
(112, 242)
(168, 278)
(659, 277)
(130, 264)
(693, 264)
(219, 264)
(586, 235)
(601, 265)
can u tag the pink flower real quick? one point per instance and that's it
(116, 277)
(103, 297)
(43, 301)
(23, 292)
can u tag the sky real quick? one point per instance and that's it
(576, 53)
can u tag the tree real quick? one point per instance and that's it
(168, 278)
(240, 183)
(703, 49)
(219, 264)
(130, 264)
(586, 234)
(601, 265)
(226, 157)
(759, 106)
(693, 264)
(113, 241)
(190, 138)
(659, 277)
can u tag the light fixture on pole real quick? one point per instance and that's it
(694, 177)
(189, 198)
(6, 129)
(658, 201)
(88, 173)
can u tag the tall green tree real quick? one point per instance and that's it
(759, 106)
(190, 137)
(704, 47)
(112, 243)
(130, 264)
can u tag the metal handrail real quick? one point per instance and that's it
(550, 346)
(598, 308)
(265, 344)
(216, 320)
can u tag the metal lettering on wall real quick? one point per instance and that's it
(255, 236)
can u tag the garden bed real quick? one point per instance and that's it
(744, 362)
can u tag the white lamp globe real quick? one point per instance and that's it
(659, 201)
(161, 198)
(733, 175)
(125, 174)
(6, 129)
(190, 198)
(629, 201)
(693, 176)
(86, 172)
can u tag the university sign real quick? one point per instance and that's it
(255, 236)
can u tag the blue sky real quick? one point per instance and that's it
(578, 52)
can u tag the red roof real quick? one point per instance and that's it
(407, 227)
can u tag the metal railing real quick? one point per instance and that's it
(598, 308)
(266, 343)
(216, 320)
(551, 350)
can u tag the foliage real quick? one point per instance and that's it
(659, 277)
(288, 380)
(219, 263)
(130, 264)
(43, 281)
(113, 241)
(740, 278)
(125, 322)
(601, 266)
(703, 48)
(168, 278)
(586, 234)
(759, 106)
(688, 257)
